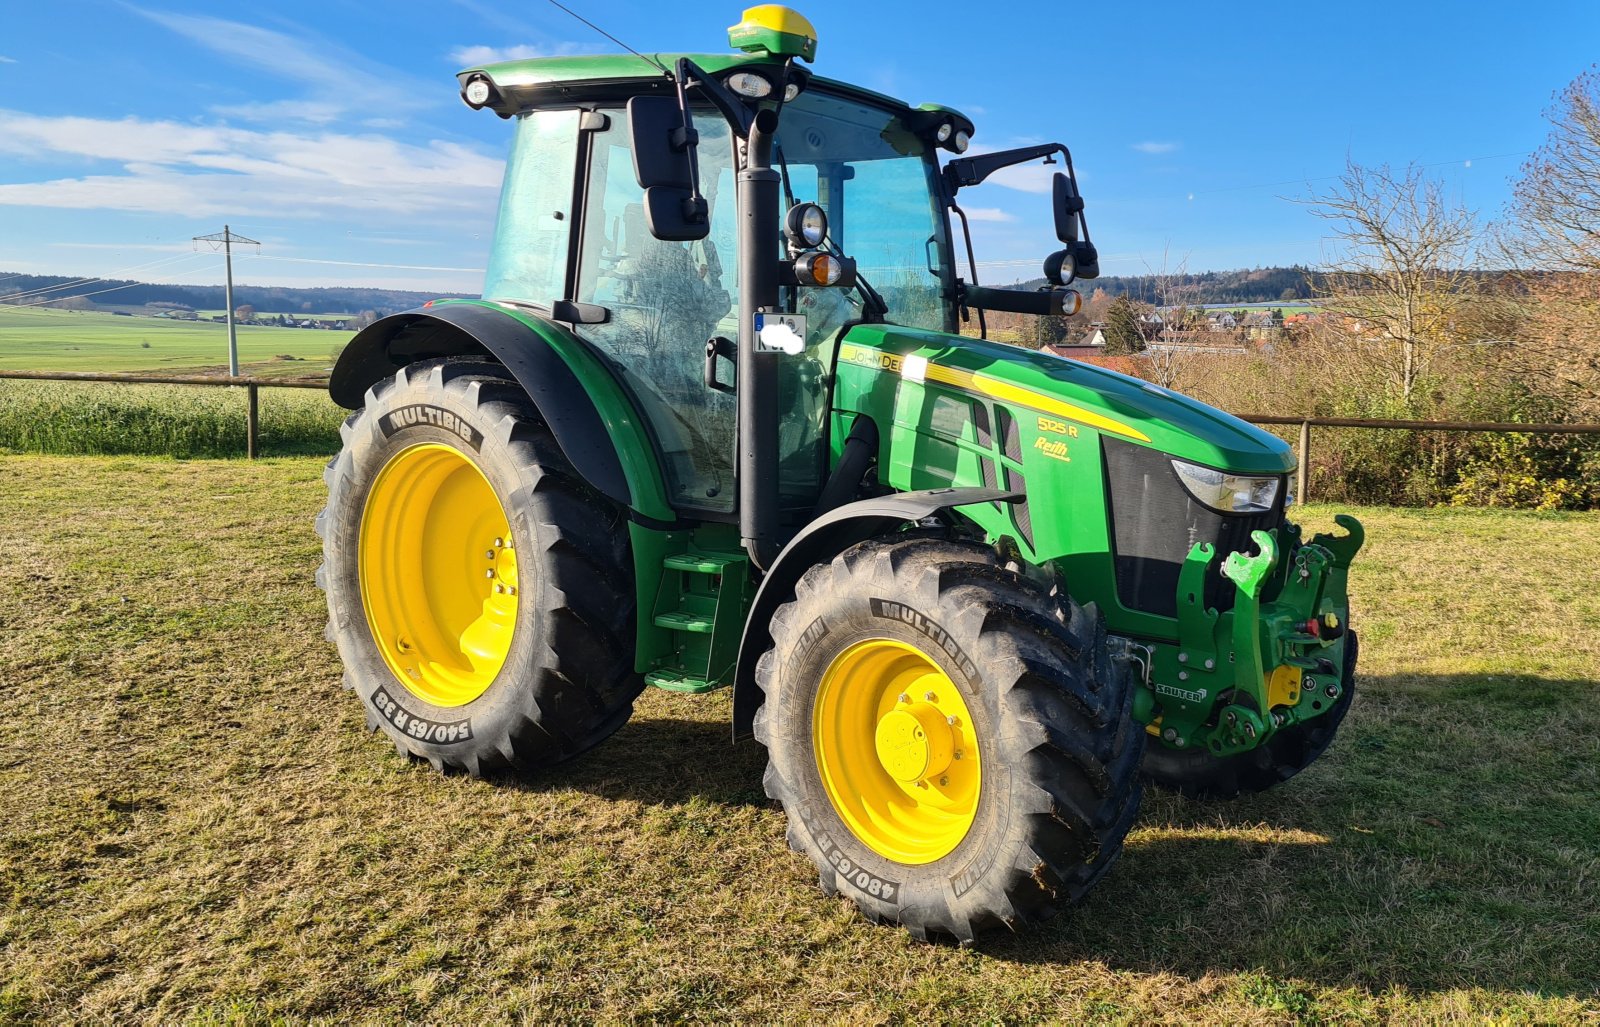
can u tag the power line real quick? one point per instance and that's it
(107, 277)
(362, 263)
(102, 292)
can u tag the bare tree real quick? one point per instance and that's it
(1182, 318)
(1398, 275)
(1555, 211)
(1551, 240)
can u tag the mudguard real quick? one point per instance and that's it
(823, 539)
(588, 412)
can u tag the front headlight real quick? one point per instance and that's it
(1227, 493)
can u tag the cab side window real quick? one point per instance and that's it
(529, 259)
(665, 299)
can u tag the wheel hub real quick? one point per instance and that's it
(914, 742)
(903, 773)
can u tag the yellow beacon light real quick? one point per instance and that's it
(776, 31)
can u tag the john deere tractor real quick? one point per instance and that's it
(712, 425)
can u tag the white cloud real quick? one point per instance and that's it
(7, 60)
(335, 79)
(474, 56)
(170, 167)
(1156, 148)
(988, 214)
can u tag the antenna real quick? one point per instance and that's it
(648, 60)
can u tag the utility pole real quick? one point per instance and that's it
(227, 238)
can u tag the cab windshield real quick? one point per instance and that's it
(875, 179)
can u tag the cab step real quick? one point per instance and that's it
(701, 602)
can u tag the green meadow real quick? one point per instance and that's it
(38, 339)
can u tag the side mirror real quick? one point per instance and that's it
(1068, 203)
(664, 163)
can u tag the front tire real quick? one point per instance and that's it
(952, 745)
(481, 596)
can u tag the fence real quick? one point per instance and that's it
(252, 387)
(1303, 451)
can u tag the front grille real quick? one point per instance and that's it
(1154, 524)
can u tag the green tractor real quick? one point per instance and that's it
(711, 425)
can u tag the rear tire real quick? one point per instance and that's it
(480, 594)
(1198, 774)
(898, 826)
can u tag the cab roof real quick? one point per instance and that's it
(541, 81)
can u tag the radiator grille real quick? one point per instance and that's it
(1155, 522)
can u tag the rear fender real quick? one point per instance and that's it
(820, 541)
(591, 415)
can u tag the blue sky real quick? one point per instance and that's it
(332, 131)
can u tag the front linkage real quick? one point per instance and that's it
(1234, 679)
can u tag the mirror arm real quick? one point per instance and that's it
(965, 171)
(690, 74)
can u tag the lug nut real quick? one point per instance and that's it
(1211, 664)
(489, 555)
(1170, 734)
(1183, 675)
(488, 574)
(499, 543)
(499, 587)
(904, 697)
(1183, 657)
(956, 755)
(944, 781)
(1332, 690)
(929, 696)
(951, 721)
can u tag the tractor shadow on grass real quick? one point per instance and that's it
(663, 762)
(1449, 839)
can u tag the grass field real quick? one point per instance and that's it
(36, 339)
(184, 421)
(194, 826)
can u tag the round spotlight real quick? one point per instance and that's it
(944, 131)
(791, 91)
(748, 83)
(806, 225)
(477, 92)
(962, 141)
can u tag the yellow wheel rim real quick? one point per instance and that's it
(438, 574)
(896, 750)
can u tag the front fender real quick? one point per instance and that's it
(591, 415)
(823, 539)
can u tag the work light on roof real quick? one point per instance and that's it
(748, 83)
(477, 92)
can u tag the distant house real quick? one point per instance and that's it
(1222, 322)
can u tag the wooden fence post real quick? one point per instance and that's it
(1302, 485)
(251, 421)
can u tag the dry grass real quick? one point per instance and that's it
(195, 826)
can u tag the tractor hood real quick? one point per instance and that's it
(1116, 404)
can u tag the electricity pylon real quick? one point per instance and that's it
(227, 238)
